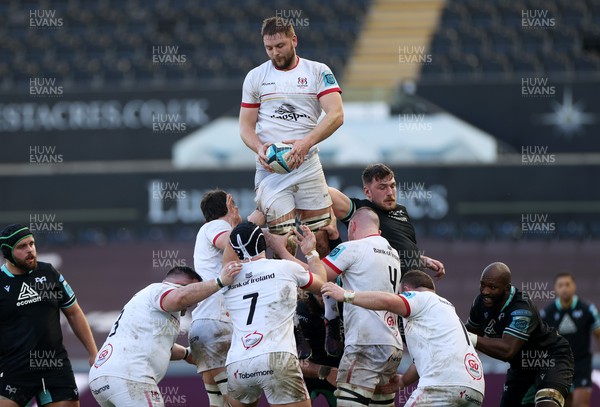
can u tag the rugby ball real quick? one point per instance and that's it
(276, 157)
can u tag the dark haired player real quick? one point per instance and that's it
(379, 186)
(33, 359)
(210, 332)
(574, 319)
(262, 304)
(505, 325)
(136, 353)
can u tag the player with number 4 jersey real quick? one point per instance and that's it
(373, 346)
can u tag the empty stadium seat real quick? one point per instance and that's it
(101, 33)
(506, 37)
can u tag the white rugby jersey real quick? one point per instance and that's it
(438, 343)
(368, 264)
(208, 263)
(262, 305)
(139, 344)
(287, 101)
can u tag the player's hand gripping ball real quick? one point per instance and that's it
(277, 154)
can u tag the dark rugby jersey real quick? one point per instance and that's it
(310, 315)
(396, 227)
(519, 318)
(31, 341)
(575, 324)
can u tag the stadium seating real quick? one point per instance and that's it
(110, 42)
(488, 38)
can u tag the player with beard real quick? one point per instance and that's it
(33, 359)
(505, 325)
(282, 99)
(379, 186)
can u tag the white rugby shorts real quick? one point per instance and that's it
(278, 374)
(110, 391)
(210, 340)
(304, 188)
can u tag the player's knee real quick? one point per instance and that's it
(215, 397)
(549, 397)
(383, 400)
(349, 395)
(221, 381)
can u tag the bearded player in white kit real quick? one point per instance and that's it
(282, 100)
(262, 304)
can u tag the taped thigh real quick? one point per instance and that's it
(215, 397)
(550, 395)
(317, 222)
(352, 396)
(383, 400)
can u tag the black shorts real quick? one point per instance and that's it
(558, 375)
(58, 387)
(583, 373)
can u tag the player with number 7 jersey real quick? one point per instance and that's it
(262, 303)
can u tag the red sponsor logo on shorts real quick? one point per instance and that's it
(103, 355)
(473, 366)
(390, 319)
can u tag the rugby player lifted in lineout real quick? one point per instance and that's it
(281, 102)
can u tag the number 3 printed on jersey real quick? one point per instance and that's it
(116, 324)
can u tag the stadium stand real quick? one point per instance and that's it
(488, 38)
(110, 42)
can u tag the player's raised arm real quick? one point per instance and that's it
(435, 265)
(182, 297)
(341, 204)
